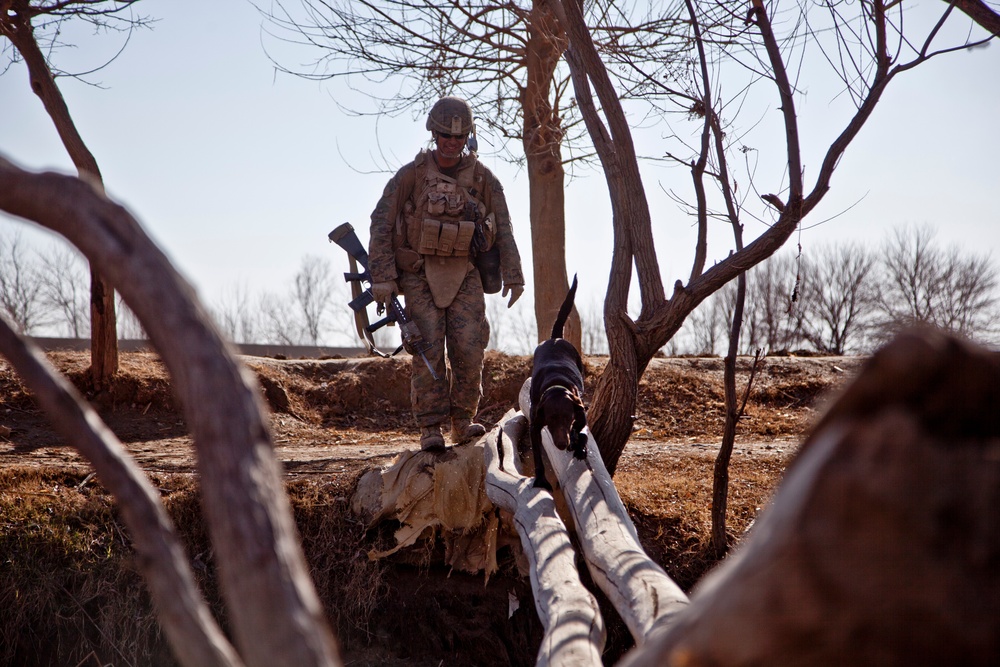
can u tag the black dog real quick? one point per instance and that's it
(557, 394)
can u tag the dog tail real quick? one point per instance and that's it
(564, 311)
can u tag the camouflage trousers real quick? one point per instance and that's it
(461, 331)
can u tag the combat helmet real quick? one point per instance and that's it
(451, 115)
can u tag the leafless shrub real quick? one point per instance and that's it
(838, 297)
(923, 283)
(20, 284)
(65, 278)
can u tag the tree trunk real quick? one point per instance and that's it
(980, 12)
(103, 323)
(103, 330)
(633, 343)
(720, 477)
(880, 546)
(276, 616)
(194, 636)
(546, 178)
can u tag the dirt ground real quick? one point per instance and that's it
(334, 418)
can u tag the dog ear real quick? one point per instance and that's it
(538, 413)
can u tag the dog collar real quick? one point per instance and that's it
(555, 386)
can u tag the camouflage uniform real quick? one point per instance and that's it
(460, 329)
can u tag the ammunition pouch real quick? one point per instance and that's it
(446, 239)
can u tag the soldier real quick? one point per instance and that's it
(439, 221)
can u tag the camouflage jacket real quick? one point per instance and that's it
(387, 232)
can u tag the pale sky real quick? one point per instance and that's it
(238, 171)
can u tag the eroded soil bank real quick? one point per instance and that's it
(72, 593)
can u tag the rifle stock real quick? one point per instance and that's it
(413, 342)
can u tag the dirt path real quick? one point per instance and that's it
(338, 416)
(313, 450)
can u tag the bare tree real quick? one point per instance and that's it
(315, 291)
(129, 325)
(838, 297)
(513, 331)
(735, 408)
(879, 52)
(926, 284)
(20, 284)
(29, 25)
(275, 614)
(238, 315)
(498, 324)
(592, 329)
(279, 322)
(706, 326)
(771, 319)
(505, 57)
(64, 277)
(774, 304)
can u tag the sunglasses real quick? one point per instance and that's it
(442, 135)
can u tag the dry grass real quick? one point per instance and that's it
(70, 595)
(67, 584)
(68, 588)
(670, 501)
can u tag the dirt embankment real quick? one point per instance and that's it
(343, 412)
(79, 599)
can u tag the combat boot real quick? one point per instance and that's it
(431, 439)
(464, 429)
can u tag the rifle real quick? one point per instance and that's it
(413, 342)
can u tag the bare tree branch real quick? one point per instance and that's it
(862, 49)
(194, 636)
(979, 12)
(276, 615)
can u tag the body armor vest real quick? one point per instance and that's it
(444, 216)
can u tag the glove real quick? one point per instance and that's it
(384, 291)
(516, 290)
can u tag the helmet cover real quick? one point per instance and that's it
(450, 115)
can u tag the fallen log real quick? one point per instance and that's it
(881, 546)
(574, 629)
(639, 589)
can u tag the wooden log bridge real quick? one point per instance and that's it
(638, 588)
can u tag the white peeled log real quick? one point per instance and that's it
(642, 592)
(574, 629)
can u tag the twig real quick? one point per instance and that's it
(100, 631)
